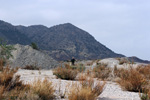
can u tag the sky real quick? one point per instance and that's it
(121, 25)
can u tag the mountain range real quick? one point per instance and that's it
(62, 42)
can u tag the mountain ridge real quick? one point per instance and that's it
(6, 31)
(64, 41)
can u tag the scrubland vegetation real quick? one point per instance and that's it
(130, 79)
(11, 88)
(86, 86)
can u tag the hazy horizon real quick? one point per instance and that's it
(122, 26)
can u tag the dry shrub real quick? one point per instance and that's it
(11, 88)
(132, 80)
(123, 60)
(1, 92)
(90, 63)
(145, 70)
(18, 94)
(81, 77)
(27, 95)
(39, 90)
(148, 93)
(43, 89)
(121, 72)
(102, 71)
(80, 68)
(31, 67)
(95, 86)
(145, 95)
(1, 64)
(66, 72)
(81, 94)
(87, 90)
(5, 77)
(7, 80)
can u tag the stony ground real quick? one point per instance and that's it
(112, 91)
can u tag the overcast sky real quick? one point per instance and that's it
(121, 25)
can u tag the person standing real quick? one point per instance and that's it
(73, 60)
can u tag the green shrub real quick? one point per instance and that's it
(34, 46)
(5, 51)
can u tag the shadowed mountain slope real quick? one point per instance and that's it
(66, 40)
(62, 41)
(11, 34)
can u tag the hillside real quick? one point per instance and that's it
(136, 59)
(11, 34)
(63, 41)
(66, 40)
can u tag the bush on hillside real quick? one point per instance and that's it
(34, 46)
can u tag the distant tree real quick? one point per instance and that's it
(5, 50)
(34, 46)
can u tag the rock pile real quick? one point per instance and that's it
(25, 55)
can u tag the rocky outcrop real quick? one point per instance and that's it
(25, 55)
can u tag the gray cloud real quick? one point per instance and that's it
(121, 25)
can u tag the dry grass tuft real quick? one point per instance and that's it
(145, 70)
(86, 90)
(31, 67)
(44, 89)
(7, 78)
(122, 60)
(39, 90)
(1, 64)
(132, 80)
(145, 95)
(81, 94)
(17, 94)
(11, 88)
(81, 77)
(148, 93)
(1, 92)
(66, 72)
(9, 83)
(102, 71)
